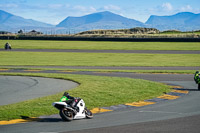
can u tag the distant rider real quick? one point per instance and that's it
(7, 46)
(197, 78)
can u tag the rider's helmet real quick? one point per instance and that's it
(197, 73)
(197, 77)
(66, 94)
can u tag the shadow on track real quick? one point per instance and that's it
(42, 119)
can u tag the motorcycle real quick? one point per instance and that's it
(68, 113)
(7, 46)
(197, 78)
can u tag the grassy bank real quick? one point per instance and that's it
(97, 59)
(96, 91)
(101, 45)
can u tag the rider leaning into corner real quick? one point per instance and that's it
(197, 78)
(69, 100)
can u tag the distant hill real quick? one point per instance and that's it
(183, 21)
(10, 22)
(101, 20)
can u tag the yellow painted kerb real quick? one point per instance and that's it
(18, 121)
(176, 87)
(99, 110)
(140, 103)
(181, 91)
(3, 69)
(169, 97)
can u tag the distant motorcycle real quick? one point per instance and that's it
(7, 46)
(197, 79)
(68, 113)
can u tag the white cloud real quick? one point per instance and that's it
(55, 6)
(186, 8)
(112, 7)
(167, 6)
(84, 9)
(9, 5)
(92, 9)
(80, 8)
(163, 9)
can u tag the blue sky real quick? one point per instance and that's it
(54, 11)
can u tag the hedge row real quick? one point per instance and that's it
(100, 39)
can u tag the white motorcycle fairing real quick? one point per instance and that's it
(81, 113)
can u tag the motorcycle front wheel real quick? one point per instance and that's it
(66, 115)
(88, 114)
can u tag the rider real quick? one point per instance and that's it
(197, 77)
(68, 99)
(7, 46)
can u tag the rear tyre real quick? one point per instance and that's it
(198, 86)
(88, 114)
(66, 115)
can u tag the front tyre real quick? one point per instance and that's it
(66, 115)
(88, 114)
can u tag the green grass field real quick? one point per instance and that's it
(101, 45)
(97, 59)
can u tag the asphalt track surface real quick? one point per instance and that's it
(179, 115)
(15, 89)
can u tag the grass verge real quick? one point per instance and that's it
(96, 92)
(101, 45)
(97, 59)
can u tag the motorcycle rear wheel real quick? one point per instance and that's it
(66, 115)
(88, 114)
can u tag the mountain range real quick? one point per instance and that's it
(183, 21)
(10, 22)
(101, 20)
